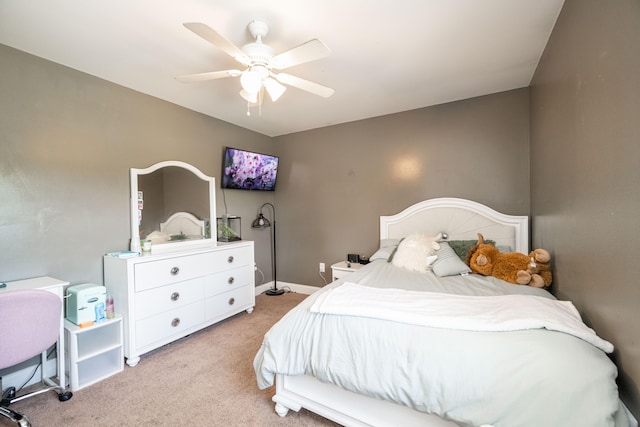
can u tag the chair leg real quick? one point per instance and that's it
(15, 417)
(8, 395)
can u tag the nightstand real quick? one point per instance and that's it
(341, 269)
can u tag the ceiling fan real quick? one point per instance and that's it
(259, 62)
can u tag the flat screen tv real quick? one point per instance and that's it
(246, 170)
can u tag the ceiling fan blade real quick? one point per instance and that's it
(305, 85)
(306, 52)
(213, 37)
(208, 76)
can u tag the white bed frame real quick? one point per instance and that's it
(183, 222)
(461, 220)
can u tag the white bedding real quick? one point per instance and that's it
(502, 313)
(525, 378)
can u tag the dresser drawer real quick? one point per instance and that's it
(168, 297)
(177, 269)
(226, 302)
(227, 280)
(233, 258)
(164, 325)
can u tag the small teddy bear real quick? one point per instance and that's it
(513, 267)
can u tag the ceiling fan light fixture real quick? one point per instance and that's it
(250, 97)
(274, 88)
(251, 81)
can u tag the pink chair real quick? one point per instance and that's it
(29, 325)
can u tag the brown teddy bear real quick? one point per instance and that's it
(513, 267)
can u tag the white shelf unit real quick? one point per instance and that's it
(93, 353)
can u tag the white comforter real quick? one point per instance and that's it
(501, 313)
(531, 377)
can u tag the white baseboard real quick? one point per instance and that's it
(293, 287)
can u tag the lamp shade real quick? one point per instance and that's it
(260, 222)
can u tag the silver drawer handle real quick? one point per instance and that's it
(175, 271)
(175, 296)
(232, 301)
(231, 280)
(175, 322)
(230, 259)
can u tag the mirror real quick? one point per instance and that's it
(172, 204)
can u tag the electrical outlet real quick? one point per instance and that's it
(322, 267)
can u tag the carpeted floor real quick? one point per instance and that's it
(205, 379)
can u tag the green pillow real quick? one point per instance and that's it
(462, 247)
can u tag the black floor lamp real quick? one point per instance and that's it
(262, 222)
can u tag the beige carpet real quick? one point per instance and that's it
(205, 379)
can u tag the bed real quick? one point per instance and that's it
(389, 346)
(183, 223)
(182, 227)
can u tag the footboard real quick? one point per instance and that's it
(345, 407)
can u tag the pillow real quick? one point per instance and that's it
(385, 243)
(387, 248)
(416, 252)
(448, 263)
(395, 249)
(461, 247)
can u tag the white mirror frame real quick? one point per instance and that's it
(173, 246)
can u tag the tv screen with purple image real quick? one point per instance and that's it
(246, 170)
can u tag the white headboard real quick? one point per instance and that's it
(183, 222)
(460, 219)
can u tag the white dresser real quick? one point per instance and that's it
(167, 296)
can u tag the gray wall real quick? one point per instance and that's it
(67, 142)
(335, 182)
(585, 169)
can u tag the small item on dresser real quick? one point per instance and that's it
(124, 254)
(229, 228)
(110, 307)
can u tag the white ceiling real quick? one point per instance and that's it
(387, 55)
